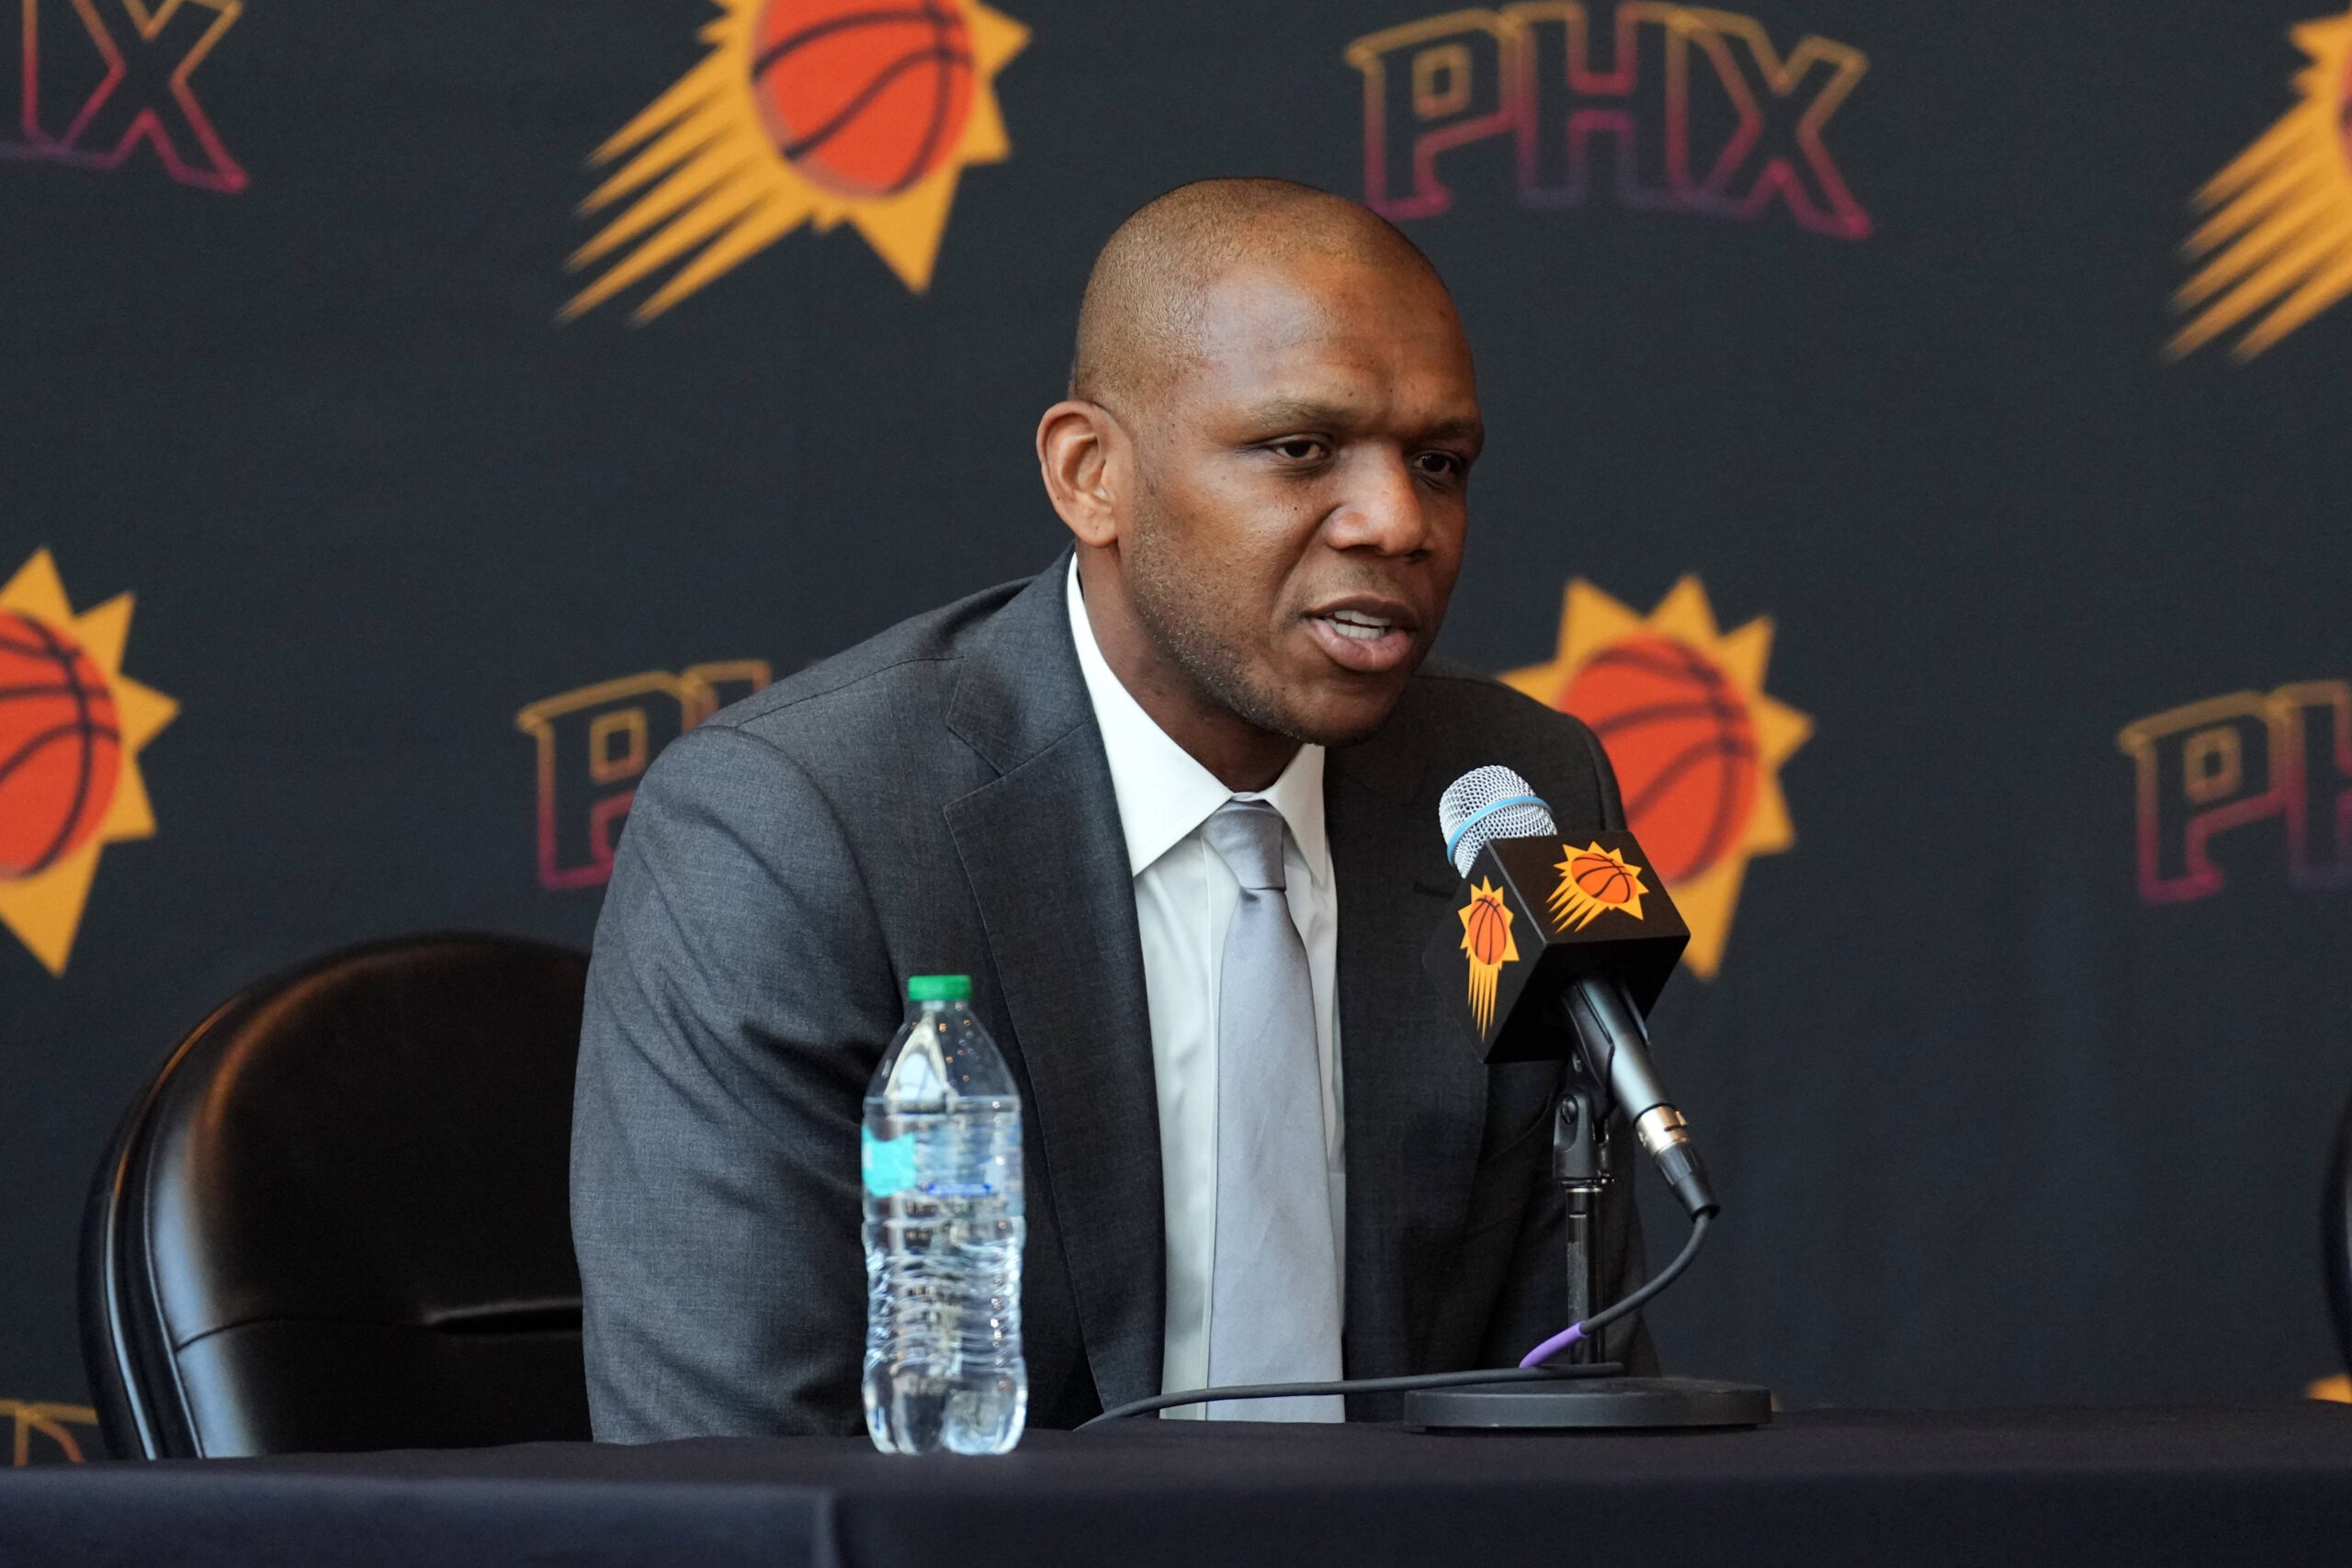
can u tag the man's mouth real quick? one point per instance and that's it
(1370, 640)
(1356, 624)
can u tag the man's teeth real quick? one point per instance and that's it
(1357, 625)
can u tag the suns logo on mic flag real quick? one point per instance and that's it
(1486, 941)
(2279, 237)
(72, 725)
(804, 111)
(1679, 705)
(1593, 881)
(1587, 906)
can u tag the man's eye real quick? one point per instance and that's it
(1438, 465)
(1300, 450)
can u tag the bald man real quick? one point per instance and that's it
(1172, 804)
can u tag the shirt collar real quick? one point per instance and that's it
(1162, 791)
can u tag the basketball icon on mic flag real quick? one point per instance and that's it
(1542, 910)
(70, 729)
(804, 111)
(1486, 940)
(1679, 706)
(1594, 881)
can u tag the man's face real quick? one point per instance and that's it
(1303, 493)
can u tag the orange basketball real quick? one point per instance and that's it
(1488, 931)
(2343, 112)
(1678, 732)
(60, 747)
(1601, 878)
(863, 96)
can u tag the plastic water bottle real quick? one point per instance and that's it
(944, 1228)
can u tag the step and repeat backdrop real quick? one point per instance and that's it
(1919, 446)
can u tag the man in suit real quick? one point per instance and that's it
(1172, 805)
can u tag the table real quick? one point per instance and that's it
(2144, 1489)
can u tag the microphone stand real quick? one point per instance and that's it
(1583, 1163)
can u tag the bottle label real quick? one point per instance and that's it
(889, 1163)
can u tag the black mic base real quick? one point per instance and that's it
(1605, 1405)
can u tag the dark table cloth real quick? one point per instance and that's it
(2270, 1485)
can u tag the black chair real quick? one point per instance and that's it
(2336, 1236)
(337, 1217)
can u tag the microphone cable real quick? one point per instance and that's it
(1634, 1303)
(1530, 1370)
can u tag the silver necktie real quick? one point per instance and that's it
(1274, 1287)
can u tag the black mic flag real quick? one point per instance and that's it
(1538, 914)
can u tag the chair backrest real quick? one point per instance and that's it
(2336, 1235)
(337, 1217)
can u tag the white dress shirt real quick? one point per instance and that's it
(1184, 902)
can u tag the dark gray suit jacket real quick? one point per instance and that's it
(936, 800)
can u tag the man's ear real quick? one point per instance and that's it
(1085, 460)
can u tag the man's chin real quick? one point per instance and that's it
(1350, 720)
(1321, 705)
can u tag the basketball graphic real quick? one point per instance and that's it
(72, 725)
(1605, 878)
(1486, 940)
(1677, 733)
(60, 748)
(2344, 114)
(863, 99)
(1593, 881)
(1697, 746)
(816, 112)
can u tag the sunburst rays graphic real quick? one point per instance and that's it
(1486, 941)
(2281, 213)
(715, 181)
(43, 904)
(1697, 743)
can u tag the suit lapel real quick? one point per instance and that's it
(1042, 848)
(1416, 1091)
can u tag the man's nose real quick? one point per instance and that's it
(1380, 507)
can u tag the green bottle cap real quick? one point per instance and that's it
(939, 987)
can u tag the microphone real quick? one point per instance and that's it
(1573, 929)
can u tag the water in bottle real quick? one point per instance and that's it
(944, 1228)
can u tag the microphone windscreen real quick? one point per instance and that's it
(1489, 803)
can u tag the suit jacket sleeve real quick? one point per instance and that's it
(738, 996)
(1533, 1305)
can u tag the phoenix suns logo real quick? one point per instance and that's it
(72, 725)
(595, 744)
(95, 79)
(1662, 106)
(1486, 940)
(2227, 763)
(1696, 744)
(1594, 881)
(46, 1421)
(804, 111)
(2277, 244)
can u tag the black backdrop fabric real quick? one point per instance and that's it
(2023, 1050)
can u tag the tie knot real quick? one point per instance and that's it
(1247, 835)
